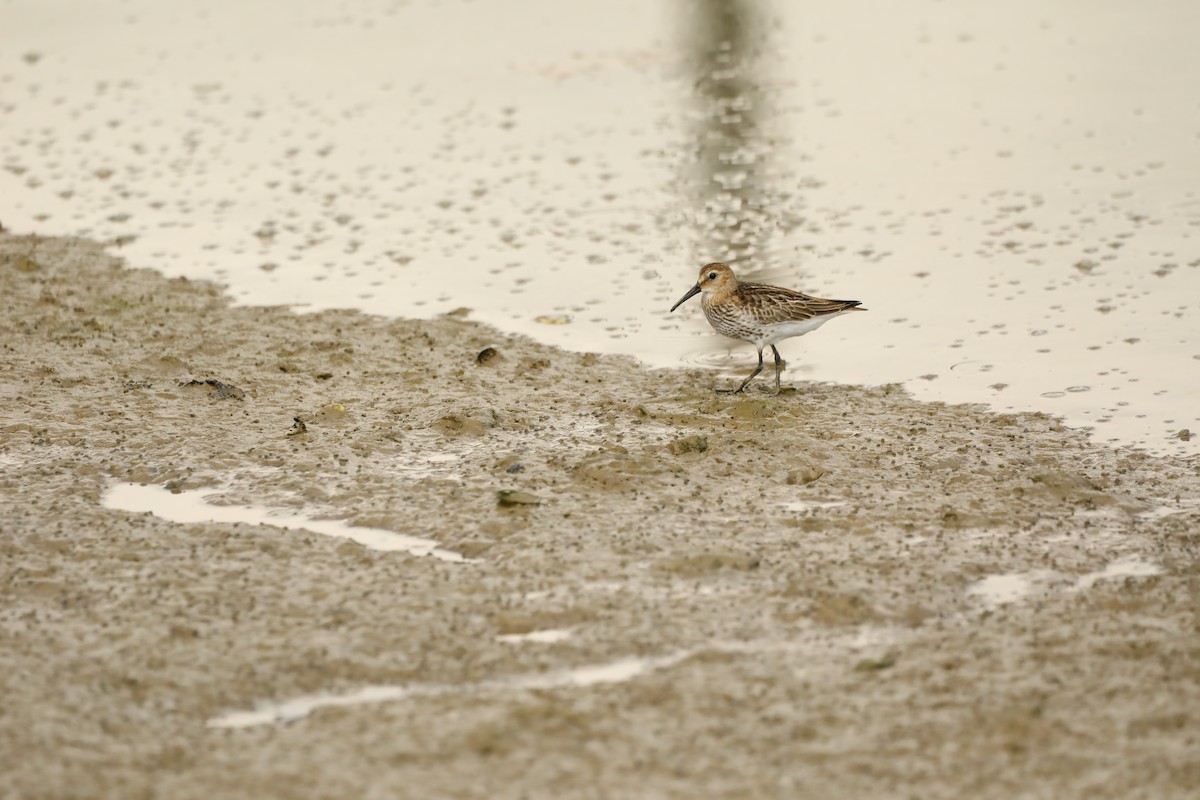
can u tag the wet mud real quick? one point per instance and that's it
(663, 592)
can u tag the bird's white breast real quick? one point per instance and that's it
(778, 331)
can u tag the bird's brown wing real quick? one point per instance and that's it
(772, 304)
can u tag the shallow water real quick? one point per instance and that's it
(1017, 208)
(994, 591)
(998, 590)
(1130, 567)
(618, 671)
(193, 506)
(545, 636)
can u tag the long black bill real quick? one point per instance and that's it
(694, 290)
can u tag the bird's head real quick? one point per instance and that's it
(715, 279)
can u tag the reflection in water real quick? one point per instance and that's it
(735, 198)
(726, 186)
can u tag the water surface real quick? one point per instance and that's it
(1011, 190)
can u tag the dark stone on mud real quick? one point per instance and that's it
(515, 497)
(220, 390)
(806, 475)
(689, 444)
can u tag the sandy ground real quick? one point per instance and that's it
(799, 585)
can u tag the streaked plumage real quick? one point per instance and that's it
(760, 314)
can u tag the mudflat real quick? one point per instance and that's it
(663, 592)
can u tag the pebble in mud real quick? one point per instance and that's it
(689, 444)
(806, 475)
(515, 497)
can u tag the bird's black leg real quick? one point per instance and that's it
(778, 368)
(746, 382)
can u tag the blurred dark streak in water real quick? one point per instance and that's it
(733, 211)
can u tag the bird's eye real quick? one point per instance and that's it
(712, 276)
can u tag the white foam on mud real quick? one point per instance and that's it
(999, 590)
(547, 636)
(871, 636)
(192, 506)
(811, 505)
(1171, 508)
(619, 671)
(424, 462)
(1131, 567)
(301, 707)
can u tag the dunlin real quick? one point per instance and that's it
(760, 314)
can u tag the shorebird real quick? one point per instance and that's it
(760, 314)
